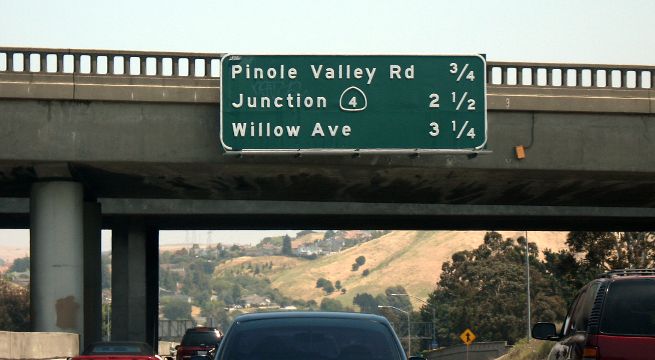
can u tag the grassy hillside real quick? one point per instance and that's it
(412, 259)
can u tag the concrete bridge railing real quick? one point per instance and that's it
(109, 62)
(207, 65)
(168, 77)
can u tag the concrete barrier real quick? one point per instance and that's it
(38, 345)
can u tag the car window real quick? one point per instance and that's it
(207, 338)
(568, 328)
(578, 319)
(304, 338)
(629, 308)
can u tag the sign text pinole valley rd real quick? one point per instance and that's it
(348, 103)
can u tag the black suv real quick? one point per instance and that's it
(198, 341)
(612, 317)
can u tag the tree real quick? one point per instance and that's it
(486, 286)
(20, 265)
(366, 303)
(592, 253)
(328, 304)
(14, 307)
(216, 310)
(360, 260)
(286, 245)
(177, 309)
(365, 272)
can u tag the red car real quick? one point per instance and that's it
(611, 318)
(115, 350)
(198, 341)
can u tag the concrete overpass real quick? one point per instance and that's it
(129, 141)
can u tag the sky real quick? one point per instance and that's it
(581, 31)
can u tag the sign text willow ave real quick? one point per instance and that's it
(348, 103)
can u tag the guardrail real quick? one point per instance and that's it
(207, 65)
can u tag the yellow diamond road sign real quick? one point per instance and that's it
(467, 336)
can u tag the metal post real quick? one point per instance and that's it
(409, 333)
(527, 268)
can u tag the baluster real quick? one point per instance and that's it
(549, 76)
(143, 66)
(60, 63)
(192, 67)
(94, 64)
(175, 63)
(26, 62)
(159, 63)
(10, 62)
(110, 65)
(76, 63)
(126, 65)
(504, 75)
(43, 62)
(208, 67)
(639, 76)
(565, 77)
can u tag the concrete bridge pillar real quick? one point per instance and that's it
(57, 257)
(92, 273)
(135, 281)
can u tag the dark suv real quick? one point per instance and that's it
(612, 317)
(198, 341)
(310, 336)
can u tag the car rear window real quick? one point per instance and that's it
(629, 308)
(310, 338)
(117, 349)
(204, 338)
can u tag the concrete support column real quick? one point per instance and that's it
(135, 282)
(57, 257)
(92, 273)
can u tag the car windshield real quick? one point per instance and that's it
(311, 339)
(630, 308)
(205, 338)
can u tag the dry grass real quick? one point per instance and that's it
(534, 350)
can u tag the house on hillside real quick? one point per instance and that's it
(255, 301)
(309, 250)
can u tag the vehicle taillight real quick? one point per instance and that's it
(590, 353)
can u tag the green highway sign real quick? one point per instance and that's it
(348, 103)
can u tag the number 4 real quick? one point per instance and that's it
(353, 102)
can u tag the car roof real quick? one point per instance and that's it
(201, 329)
(309, 314)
